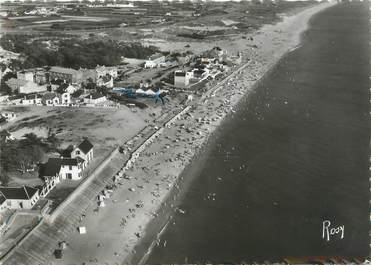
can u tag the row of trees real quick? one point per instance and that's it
(73, 52)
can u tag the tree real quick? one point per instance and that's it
(4, 88)
(4, 178)
(90, 85)
(77, 93)
(62, 88)
(54, 142)
(102, 90)
(9, 75)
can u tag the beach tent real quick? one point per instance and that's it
(150, 92)
(82, 230)
(101, 204)
(140, 91)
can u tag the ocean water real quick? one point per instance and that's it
(293, 156)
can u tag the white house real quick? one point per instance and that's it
(154, 60)
(50, 99)
(94, 98)
(181, 78)
(65, 99)
(63, 168)
(18, 198)
(71, 168)
(84, 150)
(31, 100)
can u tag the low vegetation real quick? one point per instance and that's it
(72, 52)
(24, 154)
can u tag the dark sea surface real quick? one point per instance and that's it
(294, 155)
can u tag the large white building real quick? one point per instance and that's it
(94, 99)
(64, 168)
(18, 198)
(65, 99)
(31, 100)
(154, 60)
(181, 78)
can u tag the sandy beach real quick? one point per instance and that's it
(115, 230)
(141, 196)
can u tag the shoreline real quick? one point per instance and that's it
(159, 170)
(156, 228)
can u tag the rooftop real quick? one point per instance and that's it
(30, 97)
(53, 166)
(85, 146)
(180, 73)
(22, 193)
(63, 70)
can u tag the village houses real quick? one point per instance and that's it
(67, 74)
(95, 98)
(50, 99)
(57, 169)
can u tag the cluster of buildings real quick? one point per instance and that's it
(210, 65)
(156, 60)
(40, 86)
(39, 79)
(70, 166)
(54, 171)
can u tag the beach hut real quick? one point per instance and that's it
(62, 244)
(82, 230)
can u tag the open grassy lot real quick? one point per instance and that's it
(105, 128)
